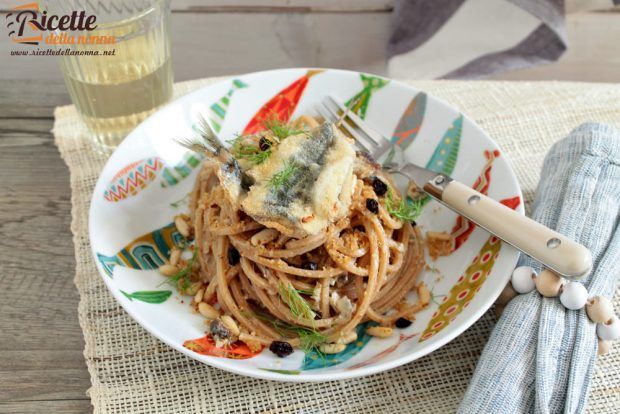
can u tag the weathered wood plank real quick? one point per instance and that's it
(37, 407)
(47, 384)
(16, 132)
(267, 41)
(22, 360)
(574, 6)
(279, 6)
(29, 99)
(42, 368)
(272, 5)
(592, 55)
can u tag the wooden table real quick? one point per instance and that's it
(41, 364)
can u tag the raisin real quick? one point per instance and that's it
(281, 348)
(413, 223)
(246, 182)
(233, 256)
(310, 266)
(372, 205)
(402, 323)
(379, 186)
(264, 144)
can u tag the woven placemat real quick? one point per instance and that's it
(132, 372)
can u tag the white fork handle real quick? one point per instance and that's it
(550, 248)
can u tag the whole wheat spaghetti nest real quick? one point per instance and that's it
(297, 240)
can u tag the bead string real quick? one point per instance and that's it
(573, 296)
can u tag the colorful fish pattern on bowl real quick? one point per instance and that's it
(134, 177)
(146, 252)
(430, 133)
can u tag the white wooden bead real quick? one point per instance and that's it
(548, 283)
(610, 330)
(523, 279)
(574, 295)
(603, 347)
(599, 309)
(506, 296)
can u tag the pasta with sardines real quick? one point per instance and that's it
(298, 239)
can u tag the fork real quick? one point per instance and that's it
(552, 249)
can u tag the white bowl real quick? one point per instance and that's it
(140, 191)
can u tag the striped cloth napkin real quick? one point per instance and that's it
(540, 356)
(470, 39)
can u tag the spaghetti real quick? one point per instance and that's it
(267, 285)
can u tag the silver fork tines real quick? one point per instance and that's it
(363, 142)
(366, 138)
(359, 122)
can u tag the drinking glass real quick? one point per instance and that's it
(127, 80)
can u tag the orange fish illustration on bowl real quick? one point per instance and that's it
(132, 179)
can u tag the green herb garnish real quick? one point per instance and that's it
(404, 210)
(282, 371)
(309, 339)
(183, 200)
(298, 305)
(280, 178)
(434, 297)
(307, 292)
(280, 128)
(149, 296)
(181, 274)
(241, 149)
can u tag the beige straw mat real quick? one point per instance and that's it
(133, 372)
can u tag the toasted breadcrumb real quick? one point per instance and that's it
(439, 244)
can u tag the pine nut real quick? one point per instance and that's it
(193, 288)
(379, 331)
(424, 294)
(247, 338)
(347, 338)
(230, 324)
(208, 311)
(440, 236)
(332, 348)
(168, 269)
(254, 346)
(182, 226)
(175, 256)
(198, 296)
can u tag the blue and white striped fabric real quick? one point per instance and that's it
(465, 39)
(540, 356)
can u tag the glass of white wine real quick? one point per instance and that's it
(131, 74)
